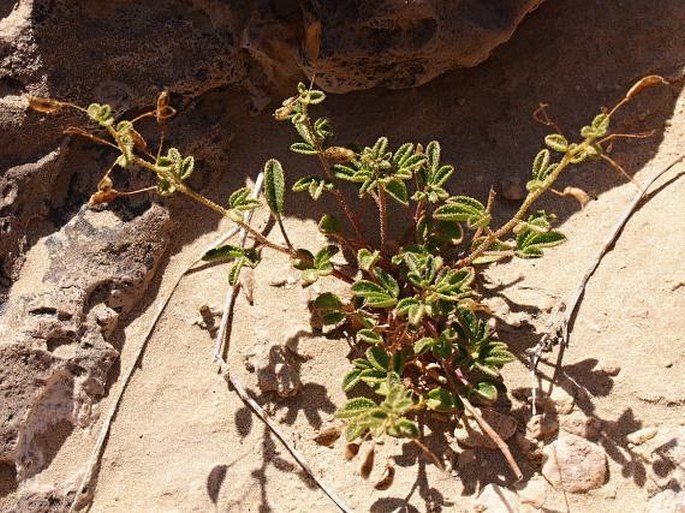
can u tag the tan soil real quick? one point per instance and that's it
(182, 441)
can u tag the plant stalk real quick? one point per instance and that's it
(501, 444)
(523, 209)
(279, 220)
(382, 216)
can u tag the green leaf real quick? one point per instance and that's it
(322, 260)
(397, 190)
(303, 259)
(374, 295)
(366, 259)
(303, 148)
(540, 164)
(309, 276)
(441, 175)
(497, 251)
(303, 183)
(369, 336)
(403, 306)
(387, 282)
(355, 407)
(378, 358)
(304, 132)
(234, 272)
(101, 114)
(598, 128)
(274, 186)
(329, 225)
(463, 209)
(225, 252)
(332, 318)
(557, 142)
(164, 187)
(380, 147)
(530, 243)
(241, 201)
(424, 344)
(433, 155)
(315, 96)
(443, 400)
(354, 431)
(351, 379)
(344, 172)
(442, 348)
(186, 168)
(328, 302)
(404, 428)
(487, 390)
(412, 308)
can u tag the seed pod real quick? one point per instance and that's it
(351, 450)
(644, 83)
(579, 195)
(367, 466)
(103, 196)
(45, 105)
(338, 154)
(388, 476)
(164, 111)
(328, 436)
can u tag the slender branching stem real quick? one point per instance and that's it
(523, 209)
(184, 189)
(501, 444)
(382, 216)
(337, 194)
(279, 220)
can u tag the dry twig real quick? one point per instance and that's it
(562, 323)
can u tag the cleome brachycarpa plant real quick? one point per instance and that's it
(412, 307)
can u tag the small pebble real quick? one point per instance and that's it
(611, 370)
(642, 435)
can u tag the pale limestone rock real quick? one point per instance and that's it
(642, 435)
(574, 464)
(579, 424)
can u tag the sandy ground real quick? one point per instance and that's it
(182, 441)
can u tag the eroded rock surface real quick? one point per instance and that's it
(397, 44)
(55, 350)
(574, 464)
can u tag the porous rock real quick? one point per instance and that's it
(561, 399)
(533, 493)
(542, 426)
(397, 44)
(642, 435)
(26, 193)
(574, 464)
(56, 349)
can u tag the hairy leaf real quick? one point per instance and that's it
(274, 186)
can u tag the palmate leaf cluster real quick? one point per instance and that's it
(415, 313)
(410, 309)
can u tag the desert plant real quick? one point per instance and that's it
(412, 305)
